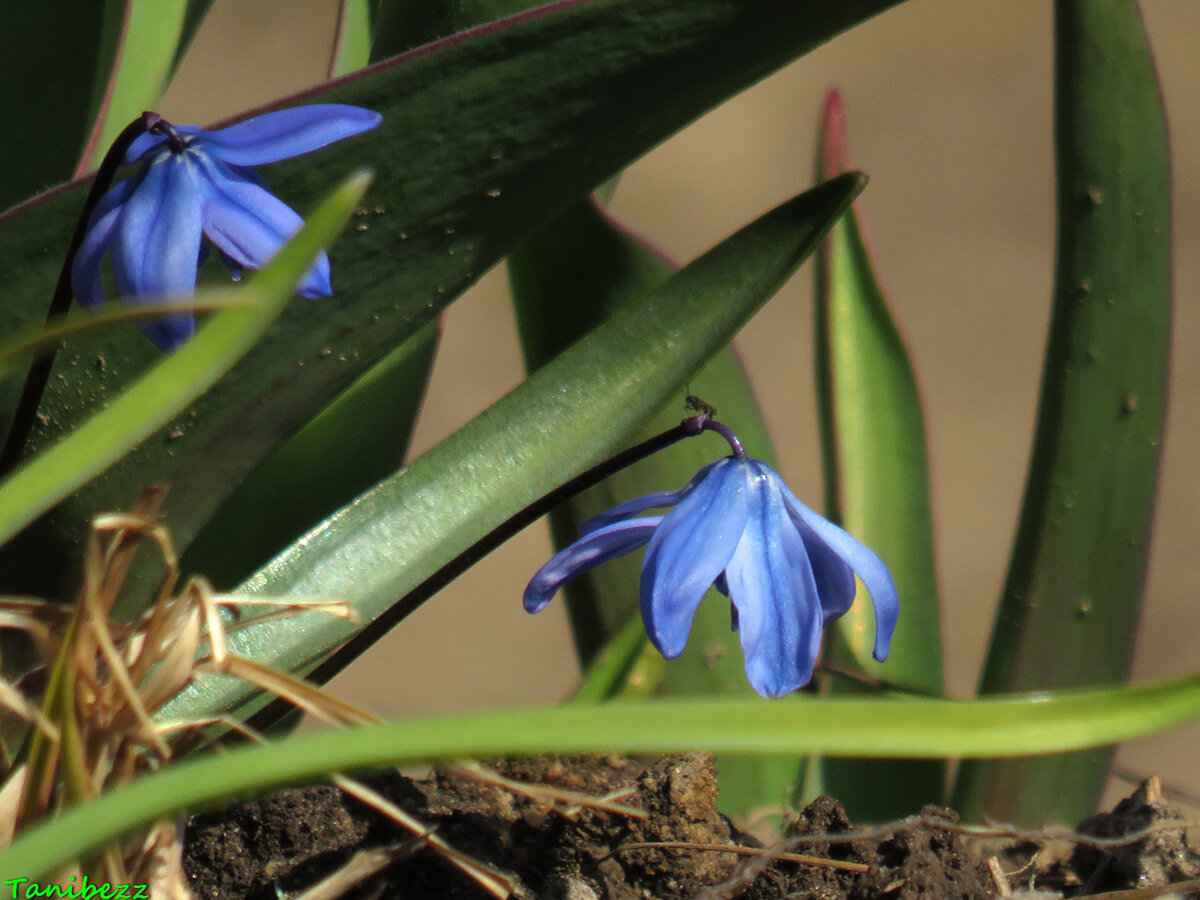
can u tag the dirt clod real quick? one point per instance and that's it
(682, 848)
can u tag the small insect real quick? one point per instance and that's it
(692, 403)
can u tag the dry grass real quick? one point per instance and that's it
(93, 728)
(85, 715)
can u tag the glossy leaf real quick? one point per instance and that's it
(358, 440)
(853, 727)
(566, 279)
(1070, 604)
(877, 488)
(484, 139)
(571, 413)
(177, 380)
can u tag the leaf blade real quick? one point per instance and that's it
(535, 438)
(1071, 597)
(918, 728)
(877, 488)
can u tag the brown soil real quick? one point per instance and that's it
(281, 844)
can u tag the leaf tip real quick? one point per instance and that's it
(833, 135)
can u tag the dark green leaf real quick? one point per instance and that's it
(1070, 604)
(483, 140)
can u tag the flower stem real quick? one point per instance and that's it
(410, 602)
(38, 376)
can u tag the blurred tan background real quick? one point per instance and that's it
(949, 111)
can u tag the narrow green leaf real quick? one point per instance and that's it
(145, 37)
(178, 379)
(566, 279)
(484, 139)
(570, 414)
(352, 40)
(1070, 605)
(877, 488)
(17, 351)
(856, 727)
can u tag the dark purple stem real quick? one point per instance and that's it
(26, 409)
(408, 604)
(726, 432)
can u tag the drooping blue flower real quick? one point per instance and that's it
(194, 182)
(787, 571)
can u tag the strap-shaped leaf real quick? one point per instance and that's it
(1070, 605)
(877, 488)
(574, 411)
(485, 137)
(913, 727)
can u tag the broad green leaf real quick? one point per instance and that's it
(918, 728)
(877, 488)
(404, 24)
(356, 441)
(178, 379)
(566, 279)
(1070, 605)
(570, 414)
(484, 139)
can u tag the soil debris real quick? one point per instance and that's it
(561, 849)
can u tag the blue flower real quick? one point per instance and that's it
(787, 571)
(193, 182)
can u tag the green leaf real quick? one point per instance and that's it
(405, 24)
(352, 40)
(1070, 604)
(570, 414)
(853, 727)
(18, 350)
(566, 279)
(877, 488)
(143, 43)
(177, 380)
(484, 139)
(356, 441)
(75, 73)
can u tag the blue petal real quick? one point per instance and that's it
(834, 577)
(249, 224)
(86, 280)
(689, 550)
(641, 504)
(772, 587)
(864, 561)
(597, 547)
(157, 242)
(289, 132)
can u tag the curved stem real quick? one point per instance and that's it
(26, 409)
(408, 604)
